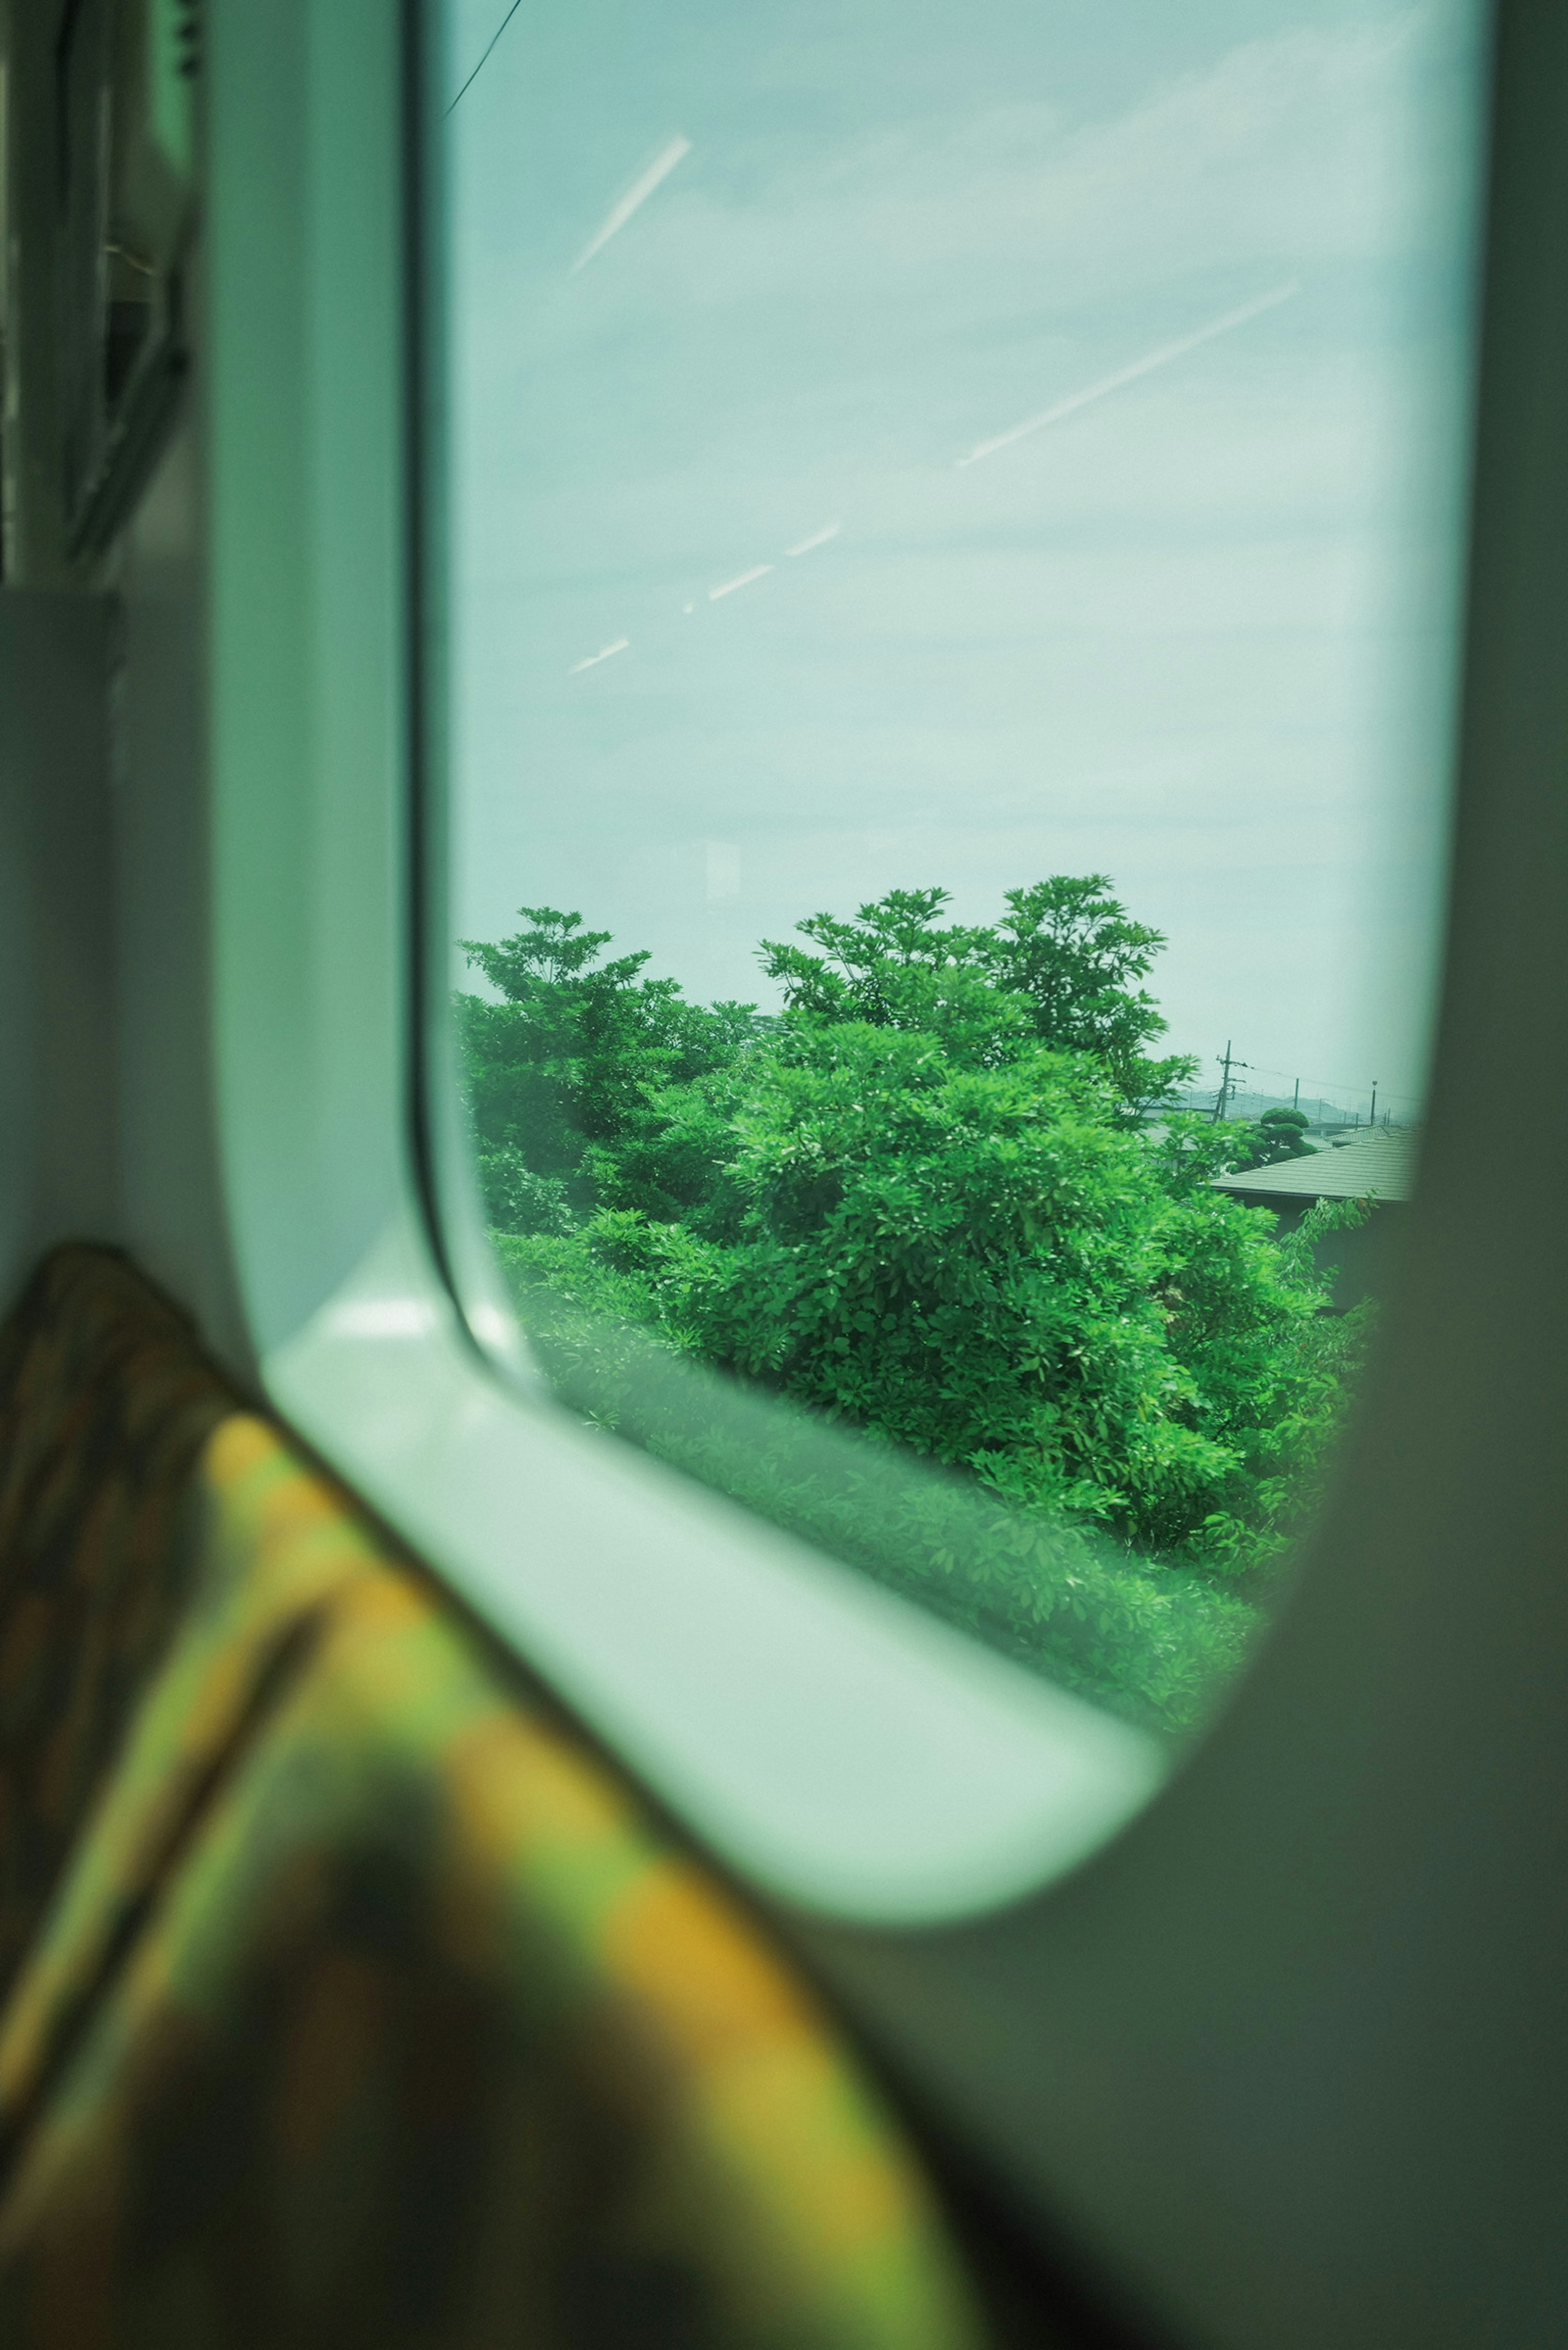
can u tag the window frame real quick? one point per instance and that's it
(1204, 2043)
(377, 1328)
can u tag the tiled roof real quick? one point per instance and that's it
(1381, 1165)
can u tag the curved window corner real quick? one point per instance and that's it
(830, 1742)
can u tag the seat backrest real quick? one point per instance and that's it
(366, 2002)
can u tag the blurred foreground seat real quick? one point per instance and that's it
(348, 1997)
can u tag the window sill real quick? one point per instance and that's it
(822, 1737)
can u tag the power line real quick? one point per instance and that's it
(484, 61)
(1336, 1085)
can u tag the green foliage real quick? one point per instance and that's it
(918, 1205)
(1278, 1135)
(1055, 970)
(1152, 1642)
(516, 1200)
(563, 1065)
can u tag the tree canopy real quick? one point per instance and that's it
(562, 1068)
(924, 1203)
(1057, 969)
(1278, 1135)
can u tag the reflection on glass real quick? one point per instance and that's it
(955, 521)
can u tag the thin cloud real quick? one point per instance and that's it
(593, 661)
(639, 192)
(1223, 325)
(744, 579)
(817, 539)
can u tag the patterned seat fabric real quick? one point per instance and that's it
(369, 2007)
(106, 1399)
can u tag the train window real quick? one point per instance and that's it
(952, 530)
(1054, 420)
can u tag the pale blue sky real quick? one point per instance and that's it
(1196, 633)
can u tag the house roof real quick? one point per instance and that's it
(1381, 1165)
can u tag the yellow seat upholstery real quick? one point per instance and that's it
(370, 2005)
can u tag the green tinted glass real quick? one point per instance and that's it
(954, 526)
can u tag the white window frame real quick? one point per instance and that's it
(1279, 2044)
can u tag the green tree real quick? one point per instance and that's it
(920, 1203)
(984, 1265)
(1058, 969)
(1278, 1135)
(558, 1071)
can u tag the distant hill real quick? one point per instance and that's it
(1323, 1116)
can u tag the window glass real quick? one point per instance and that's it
(955, 518)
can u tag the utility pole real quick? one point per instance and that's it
(1227, 1062)
(1372, 1115)
(1296, 1097)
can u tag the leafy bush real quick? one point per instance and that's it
(1152, 1643)
(1278, 1135)
(516, 1200)
(920, 1203)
